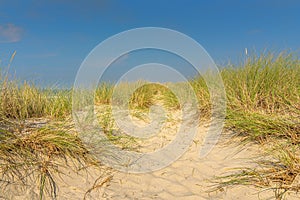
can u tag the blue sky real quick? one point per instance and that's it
(52, 38)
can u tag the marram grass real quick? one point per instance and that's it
(263, 98)
(263, 106)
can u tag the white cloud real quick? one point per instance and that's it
(10, 33)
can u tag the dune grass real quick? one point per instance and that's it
(32, 150)
(263, 106)
(26, 101)
(34, 155)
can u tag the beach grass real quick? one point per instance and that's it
(33, 154)
(263, 106)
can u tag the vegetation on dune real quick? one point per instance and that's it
(34, 155)
(37, 138)
(263, 106)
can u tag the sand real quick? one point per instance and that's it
(189, 177)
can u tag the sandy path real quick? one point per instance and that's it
(187, 178)
(190, 176)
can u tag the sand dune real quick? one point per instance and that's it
(190, 177)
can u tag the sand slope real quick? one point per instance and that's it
(190, 177)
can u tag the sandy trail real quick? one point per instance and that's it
(187, 178)
(190, 177)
